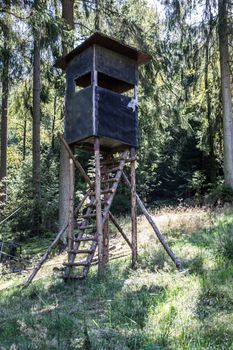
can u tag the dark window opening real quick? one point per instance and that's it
(82, 82)
(113, 84)
(103, 81)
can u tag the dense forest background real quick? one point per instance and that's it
(185, 115)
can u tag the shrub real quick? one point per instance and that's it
(220, 195)
(153, 258)
(224, 245)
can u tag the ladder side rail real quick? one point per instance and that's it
(76, 245)
(114, 187)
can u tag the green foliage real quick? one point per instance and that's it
(220, 194)
(20, 196)
(197, 181)
(224, 244)
(153, 259)
(180, 135)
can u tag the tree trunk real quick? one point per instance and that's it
(36, 136)
(68, 12)
(212, 170)
(133, 207)
(97, 15)
(54, 119)
(5, 92)
(226, 92)
(68, 16)
(24, 137)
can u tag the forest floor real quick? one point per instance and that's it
(153, 307)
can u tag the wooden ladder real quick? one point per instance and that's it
(85, 241)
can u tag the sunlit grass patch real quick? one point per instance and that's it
(153, 307)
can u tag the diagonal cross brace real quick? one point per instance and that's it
(154, 226)
(160, 236)
(86, 178)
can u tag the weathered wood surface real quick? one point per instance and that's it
(115, 184)
(99, 223)
(71, 205)
(106, 192)
(77, 245)
(140, 203)
(82, 171)
(154, 226)
(133, 208)
(53, 244)
(86, 225)
(63, 190)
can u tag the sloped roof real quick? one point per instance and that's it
(107, 42)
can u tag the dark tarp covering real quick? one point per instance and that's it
(114, 119)
(79, 120)
(115, 65)
(80, 65)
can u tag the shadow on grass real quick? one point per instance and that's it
(215, 306)
(74, 315)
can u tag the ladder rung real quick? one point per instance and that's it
(78, 221)
(113, 179)
(85, 251)
(80, 263)
(111, 170)
(110, 190)
(103, 200)
(91, 215)
(81, 251)
(91, 204)
(111, 161)
(87, 227)
(117, 161)
(72, 251)
(85, 239)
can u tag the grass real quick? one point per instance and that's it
(153, 307)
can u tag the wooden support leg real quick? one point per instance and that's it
(133, 206)
(64, 191)
(106, 224)
(154, 226)
(71, 205)
(98, 207)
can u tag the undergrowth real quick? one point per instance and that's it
(153, 307)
